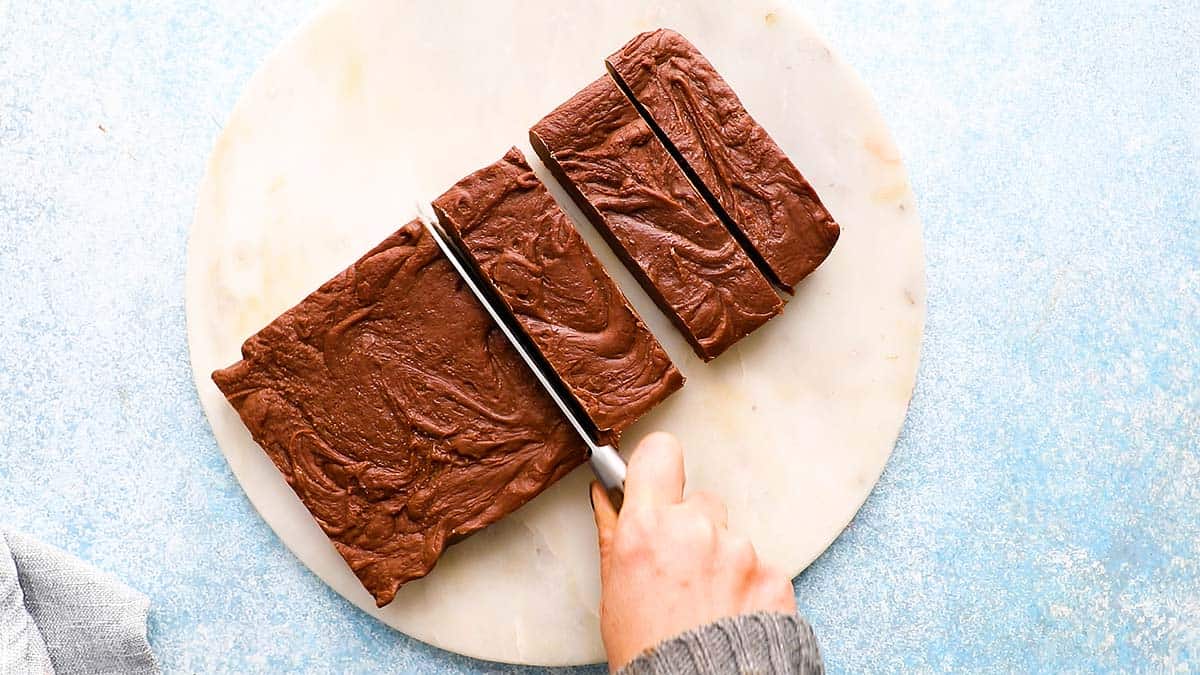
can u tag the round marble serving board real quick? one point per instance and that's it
(374, 106)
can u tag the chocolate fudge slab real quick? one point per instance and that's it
(751, 181)
(561, 296)
(398, 413)
(623, 179)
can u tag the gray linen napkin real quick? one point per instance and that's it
(60, 615)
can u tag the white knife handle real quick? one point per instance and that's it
(609, 468)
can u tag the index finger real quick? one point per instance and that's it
(655, 476)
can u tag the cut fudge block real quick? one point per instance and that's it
(548, 278)
(398, 412)
(624, 180)
(747, 177)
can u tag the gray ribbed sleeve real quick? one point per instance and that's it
(764, 642)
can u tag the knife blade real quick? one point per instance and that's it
(606, 462)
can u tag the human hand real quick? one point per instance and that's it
(669, 564)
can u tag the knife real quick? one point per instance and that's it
(606, 462)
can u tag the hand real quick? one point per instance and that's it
(668, 564)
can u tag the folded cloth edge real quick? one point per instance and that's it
(87, 619)
(22, 649)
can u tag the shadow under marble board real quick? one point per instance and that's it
(375, 106)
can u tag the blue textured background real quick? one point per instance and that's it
(1042, 509)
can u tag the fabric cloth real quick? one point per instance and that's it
(760, 643)
(60, 615)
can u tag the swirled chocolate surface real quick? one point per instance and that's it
(735, 159)
(398, 413)
(631, 189)
(559, 293)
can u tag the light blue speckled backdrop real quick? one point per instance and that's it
(1042, 509)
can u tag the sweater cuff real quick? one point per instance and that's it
(763, 642)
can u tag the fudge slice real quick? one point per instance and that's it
(622, 177)
(548, 278)
(398, 412)
(747, 177)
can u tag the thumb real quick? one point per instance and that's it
(606, 516)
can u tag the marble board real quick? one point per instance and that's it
(374, 107)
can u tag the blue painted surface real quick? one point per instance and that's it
(1042, 509)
